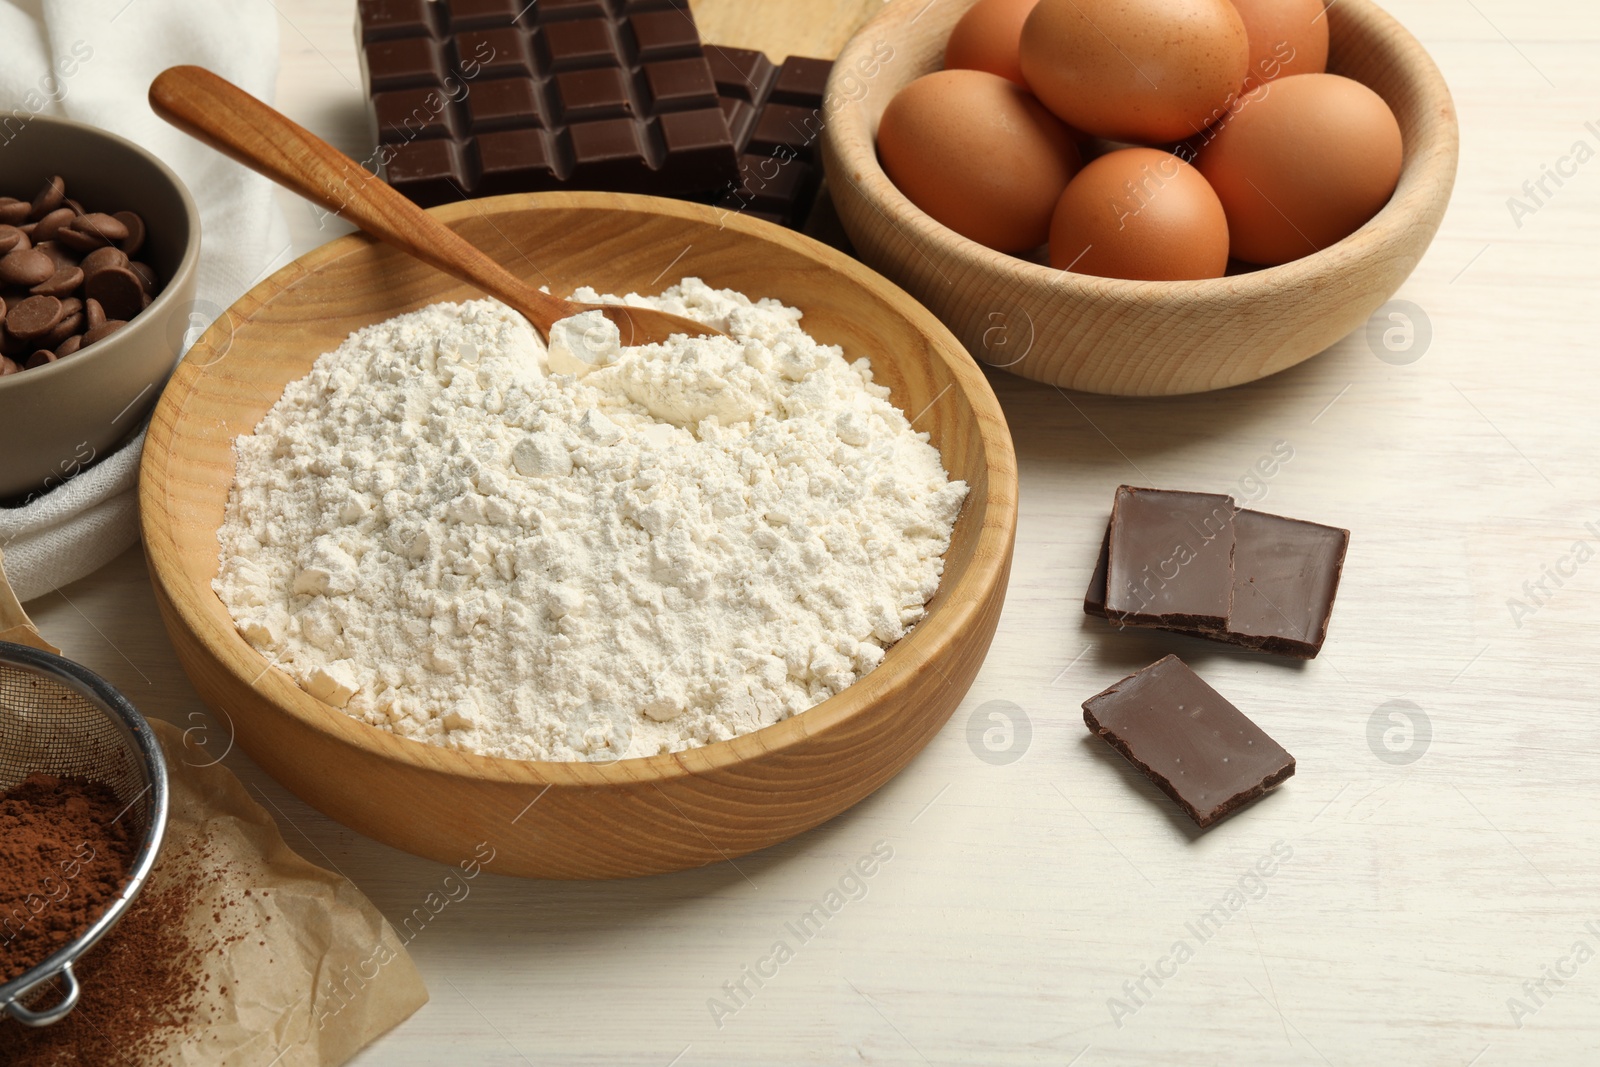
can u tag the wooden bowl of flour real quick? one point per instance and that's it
(578, 820)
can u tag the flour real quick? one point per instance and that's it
(586, 552)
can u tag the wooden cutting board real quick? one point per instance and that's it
(782, 28)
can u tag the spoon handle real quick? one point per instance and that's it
(227, 118)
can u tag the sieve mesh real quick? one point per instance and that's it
(48, 727)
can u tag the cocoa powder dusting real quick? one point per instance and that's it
(147, 990)
(63, 857)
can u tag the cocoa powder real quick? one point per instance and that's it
(148, 987)
(64, 854)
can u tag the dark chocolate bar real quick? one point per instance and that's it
(481, 97)
(774, 114)
(1285, 578)
(1170, 559)
(1185, 737)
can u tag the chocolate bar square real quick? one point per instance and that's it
(1170, 559)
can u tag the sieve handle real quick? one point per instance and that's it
(49, 1016)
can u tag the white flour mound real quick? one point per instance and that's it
(585, 553)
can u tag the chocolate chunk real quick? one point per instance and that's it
(1196, 747)
(49, 198)
(95, 314)
(63, 282)
(70, 345)
(1170, 561)
(34, 317)
(775, 116)
(1285, 578)
(481, 97)
(118, 290)
(14, 212)
(26, 266)
(12, 238)
(40, 359)
(801, 81)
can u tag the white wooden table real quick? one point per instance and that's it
(1025, 899)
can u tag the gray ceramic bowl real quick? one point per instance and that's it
(56, 420)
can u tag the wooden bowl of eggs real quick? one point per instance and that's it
(550, 819)
(1221, 229)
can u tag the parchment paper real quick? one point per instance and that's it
(322, 979)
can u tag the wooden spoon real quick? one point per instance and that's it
(235, 123)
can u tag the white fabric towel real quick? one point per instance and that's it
(119, 47)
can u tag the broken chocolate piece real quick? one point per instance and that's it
(1285, 576)
(1170, 559)
(1185, 737)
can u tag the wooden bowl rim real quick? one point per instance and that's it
(959, 611)
(1430, 164)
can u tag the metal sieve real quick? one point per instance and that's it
(62, 719)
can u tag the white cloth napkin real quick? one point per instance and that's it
(119, 47)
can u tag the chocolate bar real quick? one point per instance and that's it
(774, 114)
(1185, 737)
(1285, 576)
(482, 97)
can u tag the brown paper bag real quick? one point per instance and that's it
(296, 967)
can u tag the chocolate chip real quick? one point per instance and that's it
(101, 258)
(104, 330)
(62, 283)
(40, 358)
(106, 226)
(71, 306)
(80, 240)
(10, 238)
(119, 291)
(13, 212)
(49, 198)
(26, 266)
(131, 244)
(95, 313)
(61, 257)
(47, 228)
(8, 366)
(69, 346)
(69, 326)
(34, 317)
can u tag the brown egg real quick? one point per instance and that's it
(1140, 213)
(1286, 37)
(1143, 71)
(979, 154)
(988, 38)
(1304, 162)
